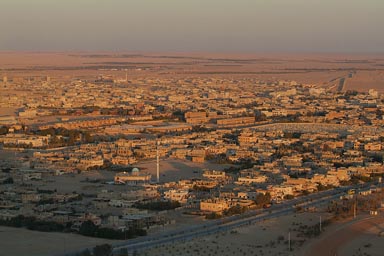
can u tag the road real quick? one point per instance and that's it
(341, 85)
(232, 222)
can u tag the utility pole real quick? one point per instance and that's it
(65, 247)
(320, 223)
(289, 241)
(157, 162)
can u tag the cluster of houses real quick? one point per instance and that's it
(280, 141)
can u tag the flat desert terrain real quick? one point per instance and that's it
(346, 238)
(269, 237)
(355, 237)
(318, 69)
(33, 243)
(365, 80)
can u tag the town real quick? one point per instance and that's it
(117, 158)
(191, 128)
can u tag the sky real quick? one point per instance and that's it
(316, 26)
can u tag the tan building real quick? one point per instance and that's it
(212, 174)
(196, 117)
(372, 147)
(133, 178)
(252, 179)
(236, 121)
(214, 205)
(180, 196)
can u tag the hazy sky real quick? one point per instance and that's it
(193, 25)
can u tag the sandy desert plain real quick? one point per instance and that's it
(344, 238)
(317, 69)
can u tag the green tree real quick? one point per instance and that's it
(3, 130)
(102, 250)
(237, 209)
(86, 252)
(158, 205)
(289, 197)
(123, 252)
(88, 228)
(263, 199)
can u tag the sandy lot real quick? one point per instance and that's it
(170, 170)
(354, 237)
(345, 238)
(7, 111)
(16, 241)
(264, 238)
(365, 80)
(369, 242)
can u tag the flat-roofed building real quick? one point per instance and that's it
(213, 174)
(214, 205)
(133, 178)
(7, 120)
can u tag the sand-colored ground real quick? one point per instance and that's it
(365, 80)
(68, 59)
(265, 238)
(303, 68)
(354, 237)
(17, 241)
(7, 111)
(170, 170)
(369, 242)
(346, 238)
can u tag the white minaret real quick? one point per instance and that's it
(157, 162)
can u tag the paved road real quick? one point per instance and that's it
(341, 85)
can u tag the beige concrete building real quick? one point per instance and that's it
(133, 178)
(214, 205)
